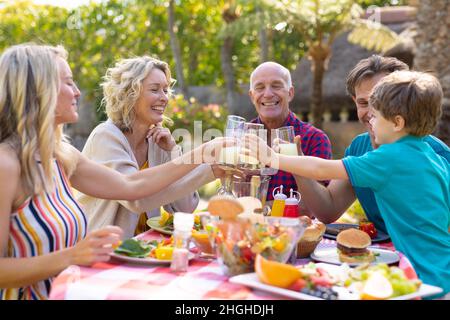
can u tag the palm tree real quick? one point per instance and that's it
(320, 22)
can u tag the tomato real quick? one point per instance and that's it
(369, 228)
(246, 254)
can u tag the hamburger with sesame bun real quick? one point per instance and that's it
(352, 246)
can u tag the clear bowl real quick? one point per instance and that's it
(237, 242)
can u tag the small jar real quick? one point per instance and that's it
(183, 223)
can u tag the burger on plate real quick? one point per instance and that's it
(352, 246)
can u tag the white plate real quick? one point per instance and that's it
(153, 223)
(145, 260)
(251, 280)
(330, 255)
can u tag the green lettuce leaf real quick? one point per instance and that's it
(134, 248)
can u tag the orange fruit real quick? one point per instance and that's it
(276, 273)
(377, 287)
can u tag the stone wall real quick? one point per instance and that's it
(341, 135)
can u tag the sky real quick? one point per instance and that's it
(64, 3)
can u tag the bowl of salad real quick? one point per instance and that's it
(237, 242)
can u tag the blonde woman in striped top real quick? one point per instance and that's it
(42, 227)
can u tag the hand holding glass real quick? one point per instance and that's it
(284, 143)
(234, 129)
(258, 130)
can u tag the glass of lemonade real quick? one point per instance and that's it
(234, 129)
(283, 141)
(229, 156)
(258, 130)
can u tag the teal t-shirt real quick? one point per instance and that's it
(360, 146)
(411, 184)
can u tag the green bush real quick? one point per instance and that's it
(183, 114)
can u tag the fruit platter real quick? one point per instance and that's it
(322, 281)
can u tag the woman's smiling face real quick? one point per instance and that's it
(153, 99)
(68, 95)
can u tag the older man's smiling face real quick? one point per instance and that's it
(270, 93)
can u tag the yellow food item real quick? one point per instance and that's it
(202, 242)
(164, 253)
(276, 273)
(354, 214)
(164, 218)
(377, 287)
(280, 242)
(117, 244)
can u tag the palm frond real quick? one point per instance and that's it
(373, 36)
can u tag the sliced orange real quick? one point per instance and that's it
(276, 273)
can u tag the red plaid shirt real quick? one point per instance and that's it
(314, 143)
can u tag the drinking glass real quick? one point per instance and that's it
(283, 142)
(256, 187)
(258, 130)
(229, 156)
(234, 129)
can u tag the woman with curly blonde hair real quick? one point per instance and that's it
(136, 93)
(42, 226)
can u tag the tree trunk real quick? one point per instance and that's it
(175, 45)
(316, 99)
(226, 52)
(433, 52)
(263, 43)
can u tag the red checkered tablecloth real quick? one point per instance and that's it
(204, 279)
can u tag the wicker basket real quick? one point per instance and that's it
(305, 248)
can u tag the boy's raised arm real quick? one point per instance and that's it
(312, 167)
(305, 166)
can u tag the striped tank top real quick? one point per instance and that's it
(42, 224)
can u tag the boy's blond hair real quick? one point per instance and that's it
(415, 96)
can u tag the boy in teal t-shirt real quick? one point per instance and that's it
(359, 147)
(411, 183)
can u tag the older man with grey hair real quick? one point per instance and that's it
(271, 91)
